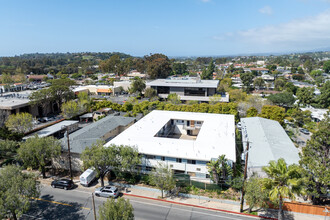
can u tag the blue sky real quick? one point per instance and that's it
(175, 28)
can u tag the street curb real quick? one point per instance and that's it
(197, 206)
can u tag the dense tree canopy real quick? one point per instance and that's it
(37, 152)
(20, 122)
(282, 99)
(137, 85)
(119, 209)
(247, 80)
(158, 66)
(273, 112)
(16, 189)
(315, 159)
(118, 158)
(305, 95)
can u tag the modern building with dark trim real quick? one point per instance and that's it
(187, 88)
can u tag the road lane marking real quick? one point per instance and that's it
(59, 203)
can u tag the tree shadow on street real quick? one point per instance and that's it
(274, 214)
(45, 209)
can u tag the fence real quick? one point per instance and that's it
(183, 180)
(305, 208)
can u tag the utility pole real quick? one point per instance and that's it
(69, 152)
(94, 211)
(245, 175)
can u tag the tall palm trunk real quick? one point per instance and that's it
(280, 210)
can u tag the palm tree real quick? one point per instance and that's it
(219, 168)
(283, 182)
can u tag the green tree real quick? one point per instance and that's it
(216, 98)
(308, 65)
(137, 85)
(300, 117)
(16, 189)
(315, 159)
(179, 68)
(150, 93)
(41, 98)
(279, 84)
(259, 83)
(282, 99)
(324, 98)
(70, 109)
(111, 64)
(326, 66)
(224, 85)
(219, 169)
(8, 149)
(37, 152)
(60, 90)
(300, 70)
(254, 195)
(20, 122)
(119, 158)
(252, 112)
(273, 112)
(289, 87)
(162, 177)
(305, 95)
(158, 66)
(316, 73)
(173, 98)
(116, 210)
(237, 95)
(208, 73)
(283, 182)
(247, 80)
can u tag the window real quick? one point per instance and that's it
(150, 157)
(178, 160)
(162, 158)
(191, 161)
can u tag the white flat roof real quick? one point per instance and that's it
(184, 83)
(216, 137)
(13, 100)
(268, 141)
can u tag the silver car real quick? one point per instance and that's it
(107, 191)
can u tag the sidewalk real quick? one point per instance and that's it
(191, 200)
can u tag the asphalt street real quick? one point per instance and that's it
(77, 204)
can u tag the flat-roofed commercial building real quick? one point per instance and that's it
(188, 88)
(185, 141)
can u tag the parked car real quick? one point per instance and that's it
(304, 131)
(41, 120)
(63, 183)
(239, 126)
(87, 177)
(107, 191)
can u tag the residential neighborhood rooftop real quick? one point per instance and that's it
(216, 136)
(91, 133)
(268, 141)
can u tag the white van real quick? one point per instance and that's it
(87, 177)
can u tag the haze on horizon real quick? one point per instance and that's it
(175, 28)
